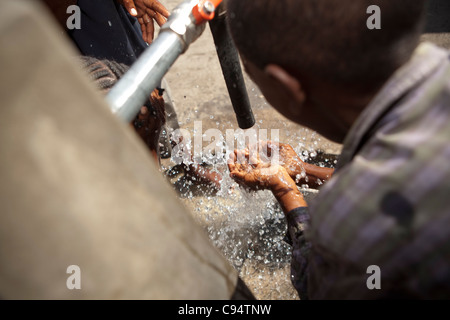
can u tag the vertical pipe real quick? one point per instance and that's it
(231, 69)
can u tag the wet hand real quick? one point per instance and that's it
(287, 158)
(301, 172)
(147, 11)
(249, 170)
(148, 122)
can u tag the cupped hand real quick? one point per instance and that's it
(255, 172)
(249, 170)
(147, 11)
(287, 158)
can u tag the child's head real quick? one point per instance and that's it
(309, 43)
(105, 73)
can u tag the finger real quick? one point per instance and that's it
(147, 28)
(158, 7)
(272, 145)
(143, 29)
(151, 13)
(235, 155)
(263, 148)
(150, 31)
(238, 176)
(143, 113)
(254, 153)
(231, 162)
(254, 159)
(250, 156)
(160, 19)
(131, 8)
(240, 155)
(241, 167)
(231, 158)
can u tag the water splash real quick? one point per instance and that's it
(247, 227)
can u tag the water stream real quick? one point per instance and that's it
(247, 227)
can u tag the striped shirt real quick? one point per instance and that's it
(383, 220)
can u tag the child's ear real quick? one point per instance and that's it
(289, 82)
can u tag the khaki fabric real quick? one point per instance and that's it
(78, 188)
(440, 39)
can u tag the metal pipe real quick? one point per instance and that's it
(231, 69)
(134, 88)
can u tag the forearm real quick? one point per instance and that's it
(297, 217)
(313, 175)
(316, 172)
(287, 194)
(208, 176)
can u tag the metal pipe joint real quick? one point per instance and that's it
(183, 23)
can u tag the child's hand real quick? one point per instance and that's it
(146, 11)
(250, 171)
(148, 123)
(247, 169)
(288, 158)
(301, 172)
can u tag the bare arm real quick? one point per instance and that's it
(301, 172)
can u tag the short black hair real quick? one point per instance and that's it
(105, 73)
(327, 39)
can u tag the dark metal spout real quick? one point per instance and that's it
(231, 69)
